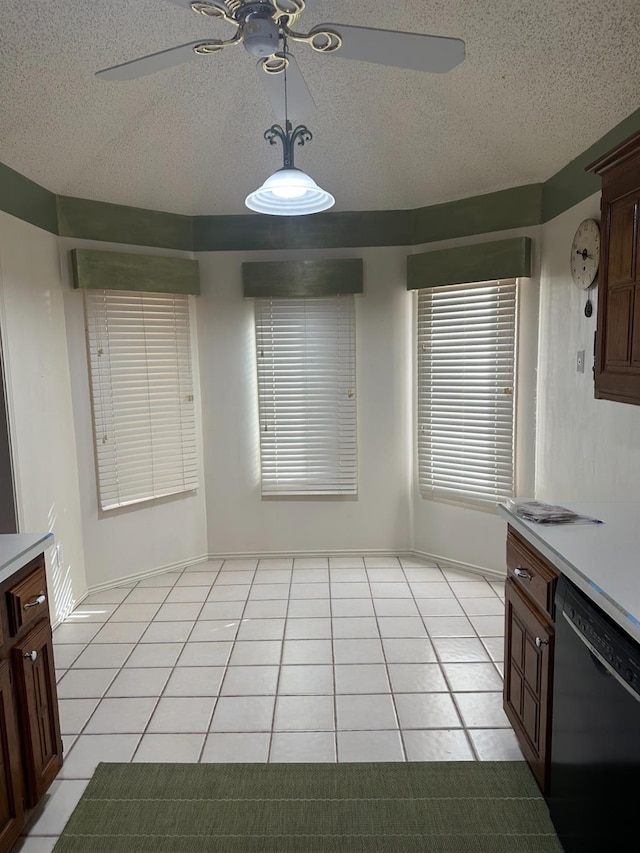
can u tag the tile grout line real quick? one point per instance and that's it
(228, 659)
(403, 744)
(175, 665)
(282, 642)
(333, 668)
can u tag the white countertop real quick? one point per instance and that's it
(16, 549)
(603, 560)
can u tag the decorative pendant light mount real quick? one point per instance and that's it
(288, 137)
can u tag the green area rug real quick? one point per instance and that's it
(426, 807)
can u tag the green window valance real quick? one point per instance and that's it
(289, 279)
(97, 270)
(465, 264)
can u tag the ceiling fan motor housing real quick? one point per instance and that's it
(260, 34)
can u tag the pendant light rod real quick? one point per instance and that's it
(286, 134)
(289, 191)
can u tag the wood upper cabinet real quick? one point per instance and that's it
(617, 367)
(528, 656)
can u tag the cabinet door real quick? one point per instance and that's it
(38, 703)
(529, 638)
(11, 805)
(619, 283)
(618, 360)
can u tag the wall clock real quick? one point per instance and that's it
(585, 253)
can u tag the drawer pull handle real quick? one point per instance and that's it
(39, 600)
(526, 576)
(541, 642)
(32, 655)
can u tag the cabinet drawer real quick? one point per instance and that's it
(531, 572)
(27, 599)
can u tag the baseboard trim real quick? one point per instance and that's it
(301, 555)
(446, 562)
(282, 555)
(149, 573)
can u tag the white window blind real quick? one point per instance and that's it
(142, 394)
(466, 378)
(307, 395)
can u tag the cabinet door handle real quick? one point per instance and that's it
(541, 642)
(39, 600)
(526, 576)
(33, 656)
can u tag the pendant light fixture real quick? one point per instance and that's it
(289, 191)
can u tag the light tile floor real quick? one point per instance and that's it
(327, 659)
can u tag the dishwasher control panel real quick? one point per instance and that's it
(617, 650)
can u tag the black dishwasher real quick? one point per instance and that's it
(595, 741)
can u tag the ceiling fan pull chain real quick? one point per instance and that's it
(287, 126)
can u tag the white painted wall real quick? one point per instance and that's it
(238, 520)
(460, 534)
(32, 326)
(588, 449)
(142, 538)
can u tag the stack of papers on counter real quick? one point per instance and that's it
(542, 513)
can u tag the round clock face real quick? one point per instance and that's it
(585, 253)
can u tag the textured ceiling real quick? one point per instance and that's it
(542, 80)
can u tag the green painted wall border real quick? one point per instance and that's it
(573, 184)
(118, 223)
(27, 200)
(500, 259)
(96, 270)
(287, 279)
(318, 231)
(516, 207)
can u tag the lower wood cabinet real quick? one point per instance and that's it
(30, 740)
(529, 648)
(36, 688)
(11, 800)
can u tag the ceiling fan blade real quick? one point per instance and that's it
(300, 103)
(151, 63)
(436, 54)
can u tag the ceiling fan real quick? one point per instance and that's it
(264, 27)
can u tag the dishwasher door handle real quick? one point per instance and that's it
(605, 663)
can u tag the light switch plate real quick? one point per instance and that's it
(580, 361)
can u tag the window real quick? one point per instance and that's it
(466, 378)
(306, 395)
(142, 395)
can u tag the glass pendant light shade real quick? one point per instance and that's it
(289, 192)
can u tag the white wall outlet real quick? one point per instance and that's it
(580, 361)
